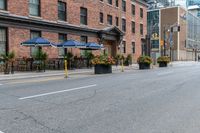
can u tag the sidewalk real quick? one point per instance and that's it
(24, 75)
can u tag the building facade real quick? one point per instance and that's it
(120, 25)
(163, 31)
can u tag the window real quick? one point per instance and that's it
(123, 48)
(133, 10)
(101, 17)
(117, 21)
(133, 47)
(3, 40)
(101, 0)
(141, 29)
(123, 24)
(62, 11)
(2, 4)
(83, 39)
(141, 12)
(133, 27)
(124, 5)
(109, 19)
(83, 16)
(34, 34)
(110, 2)
(34, 7)
(62, 38)
(117, 3)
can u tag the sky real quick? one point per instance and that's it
(181, 2)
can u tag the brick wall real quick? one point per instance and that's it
(94, 7)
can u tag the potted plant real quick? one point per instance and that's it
(144, 62)
(89, 55)
(128, 60)
(103, 64)
(163, 61)
(40, 59)
(8, 60)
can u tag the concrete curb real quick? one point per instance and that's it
(35, 75)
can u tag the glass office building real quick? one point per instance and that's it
(193, 2)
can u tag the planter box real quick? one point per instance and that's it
(144, 66)
(163, 64)
(102, 69)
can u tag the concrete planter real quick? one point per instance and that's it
(163, 64)
(102, 69)
(144, 66)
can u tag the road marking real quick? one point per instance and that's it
(56, 92)
(1, 132)
(0, 85)
(164, 73)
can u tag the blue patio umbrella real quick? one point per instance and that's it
(71, 44)
(93, 46)
(39, 41)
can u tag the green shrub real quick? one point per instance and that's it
(144, 59)
(165, 59)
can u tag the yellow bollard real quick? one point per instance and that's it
(66, 71)
(122, 66)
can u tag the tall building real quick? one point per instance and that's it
(120, 25)
(192, 2)
(163, 32)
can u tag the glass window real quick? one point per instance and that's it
(123, 48)
(133, 27)
(3, 4)
(62, 38)
(101, 17)
(62, 11)
(123, 5)
(141, 12)
(133, 9)
(117, 21)
(83, 16)
(110, 2)
(2, 41)
(123, 24)
(133, 47)
(141, 29)
(117, 3)
(83, 39)
(34, 7)
(34, 34)
(109, 19)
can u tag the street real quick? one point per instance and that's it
(160, 100)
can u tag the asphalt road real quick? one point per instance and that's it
(163, 100)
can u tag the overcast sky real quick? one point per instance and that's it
(181, 2)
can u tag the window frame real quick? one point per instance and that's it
(124, 24)
(110, 2)
(4, 6)
(101, 17)
(6, 39)
(31, 48)
(141, 29)
(133, 26)
(83, 17)
(141, 13)
(133, 47)
(133, 9)
(109, 19)
(117, 21)
(65, 39)
(63, 12)
(123, 5)
(38, 6)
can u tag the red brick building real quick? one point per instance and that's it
(113, 23)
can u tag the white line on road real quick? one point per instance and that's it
(1, 132)
(165, 73)
(56, 92)
(0, 85)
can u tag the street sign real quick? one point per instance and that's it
(161, 42)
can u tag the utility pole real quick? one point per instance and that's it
(164, 45)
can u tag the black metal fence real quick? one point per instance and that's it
(30, 64)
